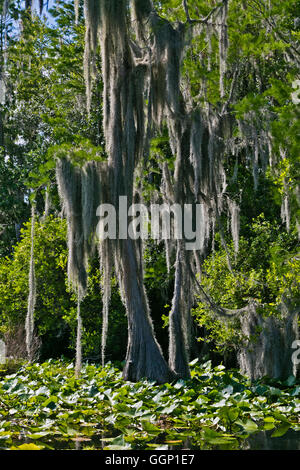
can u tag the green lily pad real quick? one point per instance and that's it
(281, 430)
(27, 447)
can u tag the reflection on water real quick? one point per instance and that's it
(259, 441)
(263, 441)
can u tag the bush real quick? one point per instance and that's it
(55, 311)
(265, 269)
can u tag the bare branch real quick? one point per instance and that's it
(231, 313)
(232, 88)
(184, 2)
(201, 20)
(217, 309)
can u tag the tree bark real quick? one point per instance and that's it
(269, 349)
(179, 322)
(144, 358)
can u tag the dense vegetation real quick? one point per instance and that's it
(208, 113)
(44, 407)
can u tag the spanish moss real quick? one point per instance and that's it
(29, 323)
(78, 361)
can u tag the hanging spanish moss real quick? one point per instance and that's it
(5, 8)
(69, 186)
(197, 131)
(168, 257)
(255, 157)
(124, 128)
(76, 206)
(80, 190)
(2, 352)
(223, 44)
(285, 212)
(92, 186)
(47, 202)
(29, 323)
(2, 90)
(270, 353)
(199, 136)
(209, 33)
(78, 361)
(91, 12)
(235, 223)
(180, 320)
(106, 264)
(76, 11)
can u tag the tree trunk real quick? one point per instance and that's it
(263, 441)
(269, 351)
(179, 322)
(144, 358)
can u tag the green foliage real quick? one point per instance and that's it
(55, 312)
(266, 269)
(91, 313)
(44, 115)
(12, 207)
(216, 409)
(50, 264)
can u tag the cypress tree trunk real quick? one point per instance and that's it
(269, 351)
(144, 357)
(124, 134)
(180, 317)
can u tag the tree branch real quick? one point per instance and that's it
(186, 10)
(217, 309)
(232, 88)
(262, 10)
(201, 20)
(231, 313)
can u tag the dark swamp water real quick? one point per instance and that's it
(259, 441)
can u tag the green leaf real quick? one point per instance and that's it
(269, 423)
(179, 384)
(194, 362)
(250, 426)
(151, 428)
(290, 381)
(281, 430)
(280, 417)
(50, 403)
(213, 437)
(27, 447)
(38, 435)
(118, 443)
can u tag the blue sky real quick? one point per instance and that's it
(36, 7)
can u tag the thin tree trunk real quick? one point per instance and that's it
(179, 320)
